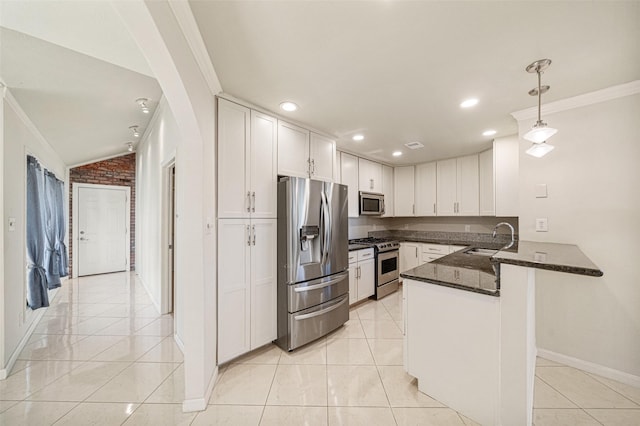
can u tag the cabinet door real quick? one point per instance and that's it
(468, 186)
(409, 256)
(404, 185)
(323, 158)
(369, 176)
(293, 150)
(233, 143)
(349, 176)
(426, 189)
(353, 283)
(367, 280)
(387, 190)
(263, 158)
(263, 281)
(446, 187)
(506, 163)
(487, 189)
(234, 289)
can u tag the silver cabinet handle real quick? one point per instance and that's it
(248, 201)
(434, 208)
(413, 209)
(248, 235)
(313, 166)
(253, 229)
(84, 239)
(370, 183)
(253, 201)
(416, 252)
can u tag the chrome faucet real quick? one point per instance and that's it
(513, 232)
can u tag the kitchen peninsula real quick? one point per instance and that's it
(470, 327)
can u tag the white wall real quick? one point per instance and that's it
(594, 202)
(153, 154)
(176, 60)
(20, 138)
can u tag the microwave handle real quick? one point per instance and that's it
(383, 208)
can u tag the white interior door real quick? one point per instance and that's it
(102, 240)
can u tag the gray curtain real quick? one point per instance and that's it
(37, 293)
(61, 248)
(51, 256)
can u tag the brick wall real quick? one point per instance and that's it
(119, 171)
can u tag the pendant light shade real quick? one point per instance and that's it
(540, 149)
(540, 132)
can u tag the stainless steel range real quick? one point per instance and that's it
(387, 264)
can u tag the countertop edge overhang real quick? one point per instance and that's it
(567, 258)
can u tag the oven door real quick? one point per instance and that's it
(387, 267)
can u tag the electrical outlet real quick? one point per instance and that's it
(467, 228)
(542, 225)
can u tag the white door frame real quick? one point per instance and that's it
(166, 292)
(76, 235)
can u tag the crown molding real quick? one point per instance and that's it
(613, 92)
(188, 25)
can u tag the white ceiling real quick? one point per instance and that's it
(396, 71)
(76, 72)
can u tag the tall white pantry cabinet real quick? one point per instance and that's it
(247, 229)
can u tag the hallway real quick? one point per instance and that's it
(100, 355)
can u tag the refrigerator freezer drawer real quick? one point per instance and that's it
(310, 324)
(314, 292)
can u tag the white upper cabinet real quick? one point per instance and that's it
(468, 186)
(487, 188)
(293, 150)
(425, 196)
(246, 162)
(404, 185)
(446, 187)
(370, 176)
(506, 165)
(323, 158)
(349, 177)
(458, 186)
(302, 153)
(387, 190)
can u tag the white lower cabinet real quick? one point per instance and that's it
(409, 256)
(362, 280)
(247, 285)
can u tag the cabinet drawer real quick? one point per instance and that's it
(453, 249)
(365, 254)
(435, 249)
(353, 256)
(427, 257)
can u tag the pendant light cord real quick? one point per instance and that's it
(539, 97)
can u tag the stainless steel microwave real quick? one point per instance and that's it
(371, 204)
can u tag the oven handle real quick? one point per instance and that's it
(338, 278)
(321, 312)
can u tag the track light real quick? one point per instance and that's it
(129, 146)
(136, 133)
(142, 102)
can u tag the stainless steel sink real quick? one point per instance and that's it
(481, 252)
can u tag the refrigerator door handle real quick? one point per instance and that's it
(322, 311)
(326, 228)
(339, 278)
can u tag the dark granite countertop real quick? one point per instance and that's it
(359, 246)
(550, 256)
(445, 238)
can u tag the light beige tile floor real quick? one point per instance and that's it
(103, 355)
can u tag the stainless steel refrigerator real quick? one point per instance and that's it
(313, 260)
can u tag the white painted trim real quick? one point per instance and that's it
(200, 404)
(613, 92)
(591, 367)
(188, 25)
(165, 287)
(4, 373)
(179, 342)
(155, 302)
(76, 186)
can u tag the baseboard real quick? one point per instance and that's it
(591, 367)
(35, 320)
(200, 404)
(146, 288)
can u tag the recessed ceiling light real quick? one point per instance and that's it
(397, 153)
(288, 106)
(468, 103)
(358, 137)
(489, 132)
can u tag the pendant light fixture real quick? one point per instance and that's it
(540, 132)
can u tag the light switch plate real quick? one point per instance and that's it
(12, 224)
(542, 225)
(541, 190)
